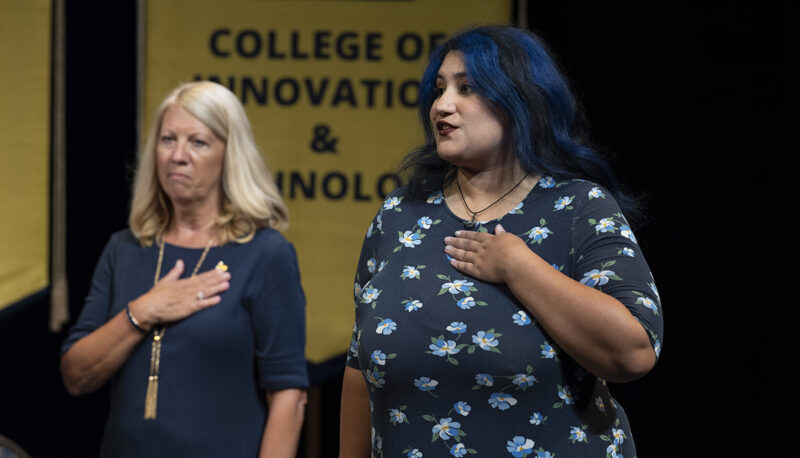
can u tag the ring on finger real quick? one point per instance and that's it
(200, 296)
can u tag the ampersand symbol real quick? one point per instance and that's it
(321, 143)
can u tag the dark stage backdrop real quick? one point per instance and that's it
(685, 100)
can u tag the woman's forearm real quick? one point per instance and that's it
(96, 357)
(354, 432)
(285, 421)
(593, 328)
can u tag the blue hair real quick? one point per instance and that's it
(515, 73)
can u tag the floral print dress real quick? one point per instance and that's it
(458, 367)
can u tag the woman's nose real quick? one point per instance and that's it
(444, 104)
(180, 153)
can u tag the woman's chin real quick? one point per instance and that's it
(184, 199)
(449, 155)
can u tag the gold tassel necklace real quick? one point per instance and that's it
(151, 397)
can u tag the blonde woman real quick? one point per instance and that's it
(196, 315)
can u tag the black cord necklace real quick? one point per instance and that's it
(474, 221)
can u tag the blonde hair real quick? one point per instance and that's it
(251, 199)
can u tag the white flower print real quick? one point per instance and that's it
(386, 327)
(605, 225)
(462, 408)
(457, 327)
(521, 318)
(626, 232)
(597, 277)
(410, 272)
(563, 203)
(444, 347)
(378, 357)
(458, 286)
(596, 193)
(502, 401)
(435, 198)
(566, 395)
(524, 380)
(397, 416)
(547, 182)
(647, 302)
(411, 305)
(484, 380)
(391, 202)
(369, 294)
(466, 303)
(539, 233)
(425, 383)
(486, 340)
(537, 418)
(446, 428)
(410, 239)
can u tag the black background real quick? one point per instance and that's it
(692, 104)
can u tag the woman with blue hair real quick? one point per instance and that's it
(501, 342)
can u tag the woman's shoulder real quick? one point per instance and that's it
(575, 192)
(121, 244)
(267, 253)
(570, 185)
(124, 236)
(123, 239)
(268, 242)
(400, 205)
(266, 236)
(402, 196)
(399, 192)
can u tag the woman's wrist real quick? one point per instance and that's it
(137, 323)
(518, 261)
(526, 270)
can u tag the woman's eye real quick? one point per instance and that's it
(166, 139)
(438, 91)
(199, 142)
(466, 89)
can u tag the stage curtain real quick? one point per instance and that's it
(25, 60)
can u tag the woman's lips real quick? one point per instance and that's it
(178, 176)
(444, 128)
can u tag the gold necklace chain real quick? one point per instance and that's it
(151, 397)
(474, 221)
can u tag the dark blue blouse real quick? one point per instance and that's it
(215, 364)
(458, 367)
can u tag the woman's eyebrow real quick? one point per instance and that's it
(457, 75)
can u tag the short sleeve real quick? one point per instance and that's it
(277, 311)
(97, 307)
(365, 269)
(608, 257)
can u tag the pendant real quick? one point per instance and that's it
(472, 223)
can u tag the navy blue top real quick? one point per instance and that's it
(456, 366)
(216, 363)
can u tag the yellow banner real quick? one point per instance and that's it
(331, 90)
(24, 147)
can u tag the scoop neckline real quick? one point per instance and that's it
(479, 222)
(171, 245)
